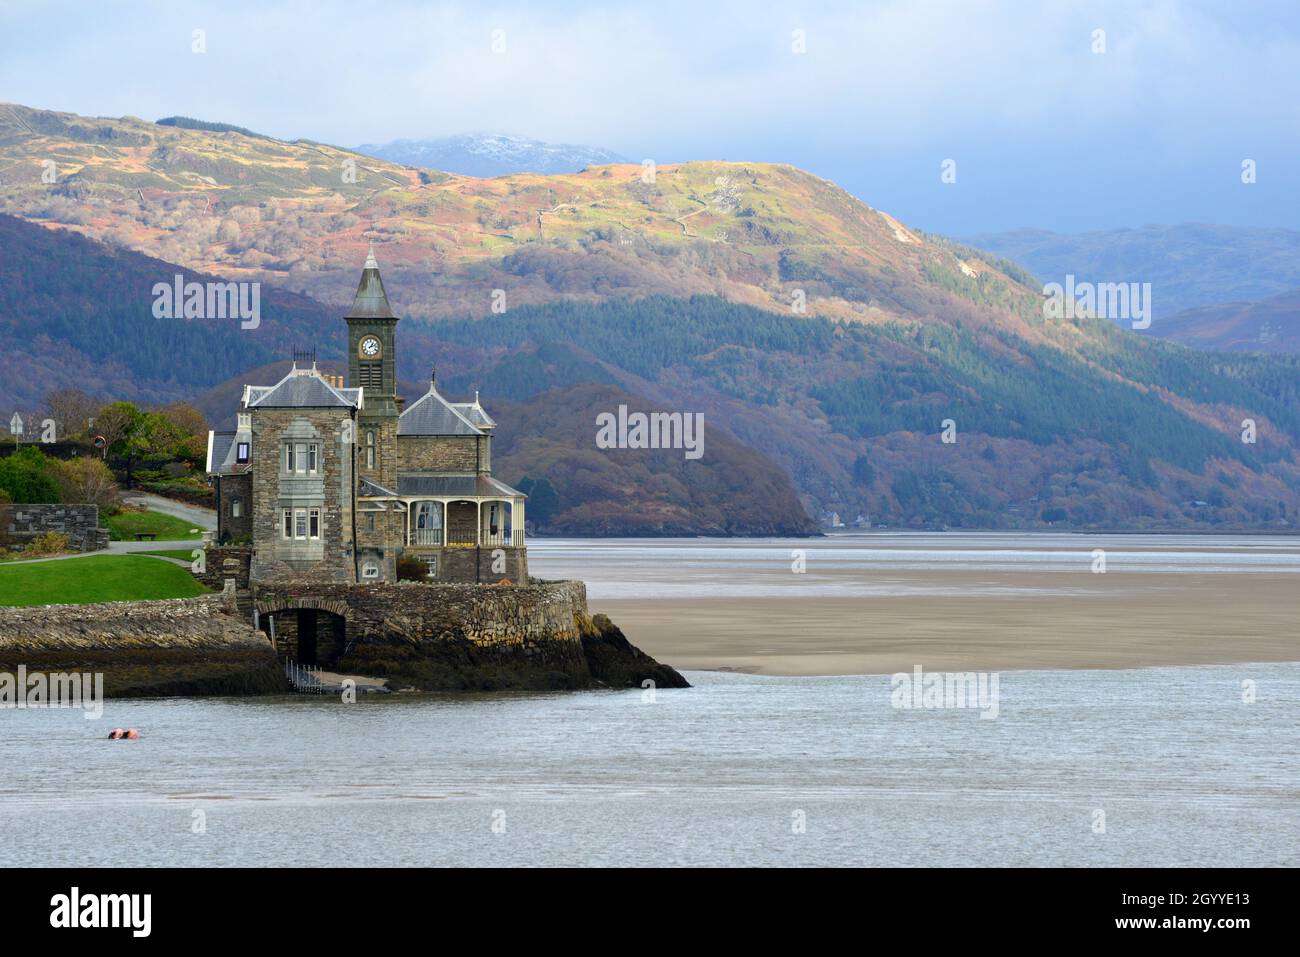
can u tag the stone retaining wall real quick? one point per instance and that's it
(450, 636)
(184, 646)
(22, 523)
(226, 561)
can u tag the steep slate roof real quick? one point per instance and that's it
(219, 446)
(431, 414)
(474, 412)
(371, 301)
(477, 485)
(372, 489)
(301, 389)
(223, 452)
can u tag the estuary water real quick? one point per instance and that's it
(1187, 765)
(740, 769)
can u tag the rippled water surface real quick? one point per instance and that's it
(1184, 770)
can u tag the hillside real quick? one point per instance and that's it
(298, 214)
(731, 490)
(79, 314)
(853, 412)
(685, 303)
(1188, 265)
(1268, 325)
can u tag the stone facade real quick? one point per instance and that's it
(22, 523)
(234, 503)
(324, 493)
(226, 562)
(450, 453)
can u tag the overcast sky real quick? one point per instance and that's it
(1044, 131)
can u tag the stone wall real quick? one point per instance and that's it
(234, 494)
(438, 453)
(387, 458)
(22, 523)
(450, 636)
(186, 646)
(329, 557)
(226, 561)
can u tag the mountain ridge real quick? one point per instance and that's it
(491, 154)
(686, 288)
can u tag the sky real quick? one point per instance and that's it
(1047, 122)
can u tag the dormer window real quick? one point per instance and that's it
(241, 453)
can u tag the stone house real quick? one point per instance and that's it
(334, 483)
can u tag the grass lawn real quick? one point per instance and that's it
(123, 526)
(77, 581)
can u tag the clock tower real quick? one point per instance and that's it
(372, 365)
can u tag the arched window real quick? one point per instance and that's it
(236, 507)
(370, 449)
(428, 515)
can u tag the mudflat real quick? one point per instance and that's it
(1076, 621)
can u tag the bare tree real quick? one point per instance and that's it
(71, 410)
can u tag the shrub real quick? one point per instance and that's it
(411, 570)
(86, 480)
(51, 543)
(27, 478)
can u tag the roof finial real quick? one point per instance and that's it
(371, 263)
(433, 376)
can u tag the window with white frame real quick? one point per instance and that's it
(302, 524)
(370, 570)
(432, 564)
(370, 449)
(236, 507)
(302, 458)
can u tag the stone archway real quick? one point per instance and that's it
(312, 631)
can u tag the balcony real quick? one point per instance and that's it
(426, 536)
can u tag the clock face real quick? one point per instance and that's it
(370, 347)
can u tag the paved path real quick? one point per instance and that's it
(120, 548)
(205, 518)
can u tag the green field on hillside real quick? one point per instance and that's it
(78, 581)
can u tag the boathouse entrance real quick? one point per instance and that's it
(310, 631)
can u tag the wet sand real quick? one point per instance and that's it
(1077, 621)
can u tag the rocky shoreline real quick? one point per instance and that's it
(202, 646)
